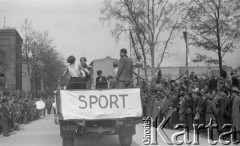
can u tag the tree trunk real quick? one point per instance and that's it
(220, 61)
(219, 42)
(152, 60)
(33, 83)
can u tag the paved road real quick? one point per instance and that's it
(45, 133)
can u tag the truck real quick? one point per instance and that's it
(97, 113)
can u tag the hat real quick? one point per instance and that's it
(235, 89)
(4, 100)
(233, 72)
(224, 89)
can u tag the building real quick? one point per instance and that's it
(104, 64)
(11, 58)
(168, 73)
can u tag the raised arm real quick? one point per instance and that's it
(120, 69)
(65, 72)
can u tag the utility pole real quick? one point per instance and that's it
(4, 21)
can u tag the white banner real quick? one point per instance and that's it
(101, 104)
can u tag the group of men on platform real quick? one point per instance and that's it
(80, 74)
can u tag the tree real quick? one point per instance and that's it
(214, 26)
(36, 47)
(53, 67)
(151, 22)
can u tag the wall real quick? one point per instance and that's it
(106, 65)
(10, 47)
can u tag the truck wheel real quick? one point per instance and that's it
(68, 141)
(125, 140)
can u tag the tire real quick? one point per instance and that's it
(125, 140)
(68, 141)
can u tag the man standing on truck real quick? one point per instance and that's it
(125, 71)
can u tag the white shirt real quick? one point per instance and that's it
(75, 71)
(115, 71)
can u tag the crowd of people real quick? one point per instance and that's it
(192, 100)
(189, 99)
(16, 110)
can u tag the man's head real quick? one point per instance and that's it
(99, 73)
(109, 77)
(115, 64)
(235, 92)
(213, 93)
(83, 60)
(5, 101)
(224, 92)
(123, 52)
(71, 59)
(233, 74)
(172, 82)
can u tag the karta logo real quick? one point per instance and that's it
(151, 132)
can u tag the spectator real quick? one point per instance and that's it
(212, 83)
(235, 82)
(236, 111)
(224, 73)
(224, 111)
(212, 112)
(5, 117)
(159, 77)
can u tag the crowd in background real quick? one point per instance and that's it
(195, 100)
(16, 109)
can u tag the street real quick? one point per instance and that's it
(44, 132)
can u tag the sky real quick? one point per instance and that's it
(77, 30)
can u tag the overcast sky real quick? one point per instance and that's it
(75, 26)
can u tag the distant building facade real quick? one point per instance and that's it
(104, 64)
(11, 58)
(168, 73)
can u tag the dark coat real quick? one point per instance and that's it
(101, 82)
(5, 112)
(224, 110)
(236, 113)
(125, 70)
(235, 82)
(213, 84)
(212, 111)
(25, 108)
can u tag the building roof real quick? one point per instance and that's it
(108, 57)
(10, 31)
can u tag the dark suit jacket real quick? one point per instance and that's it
(25, 108)
(235, 82)
(103, 84)
(125, 70)
(5, 112)
(212, 84)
